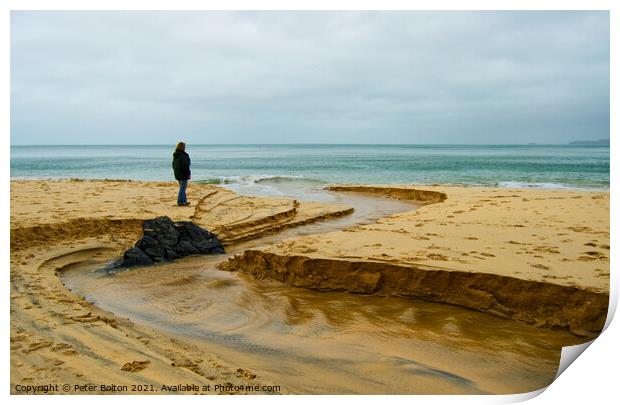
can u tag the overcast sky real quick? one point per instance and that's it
(308, 77)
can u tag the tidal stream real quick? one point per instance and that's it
(328, 342)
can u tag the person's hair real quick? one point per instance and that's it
(180, 146)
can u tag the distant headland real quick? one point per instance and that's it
(604, 141)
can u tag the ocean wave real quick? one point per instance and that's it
(256, 179)
(522, 184)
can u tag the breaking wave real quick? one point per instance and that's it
(522, 184)
(259, 178)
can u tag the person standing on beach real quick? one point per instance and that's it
(180, 165)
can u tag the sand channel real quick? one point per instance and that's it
(326, 342)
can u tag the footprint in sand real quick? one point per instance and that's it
(592, 255)
(546, 249)
(601, 273)
(135, 366)
(580, 228)
(36, 346)
(241, 373)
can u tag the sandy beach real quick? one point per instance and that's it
(57, 336)
(536, 257)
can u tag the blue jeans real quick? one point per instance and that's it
(182, 198)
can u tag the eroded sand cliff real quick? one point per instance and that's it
(539, 256)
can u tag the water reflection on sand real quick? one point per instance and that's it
(329, 342)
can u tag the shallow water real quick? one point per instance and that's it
(327, 342)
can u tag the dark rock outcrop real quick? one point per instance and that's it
(136, 257)
(164, 240)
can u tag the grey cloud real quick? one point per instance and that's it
(343, 77)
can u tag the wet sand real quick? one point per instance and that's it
(329, 342)
(58, 337)
(178, 331)
(538, 256)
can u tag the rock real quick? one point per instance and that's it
(207, 245)
(165, 240)
(171, 254)
(147, 242)
(193, 230)
(185, 248)
(135, 257)
(217, 250)
(162, 229)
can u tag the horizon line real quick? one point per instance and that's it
(579, 143)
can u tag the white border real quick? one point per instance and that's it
(593, 376)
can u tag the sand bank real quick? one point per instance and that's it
(59, 211)
(539, 256)
(498, 251)
(58, 337)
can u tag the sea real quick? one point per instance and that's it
(295, 169)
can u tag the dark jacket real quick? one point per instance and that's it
(180, 165)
